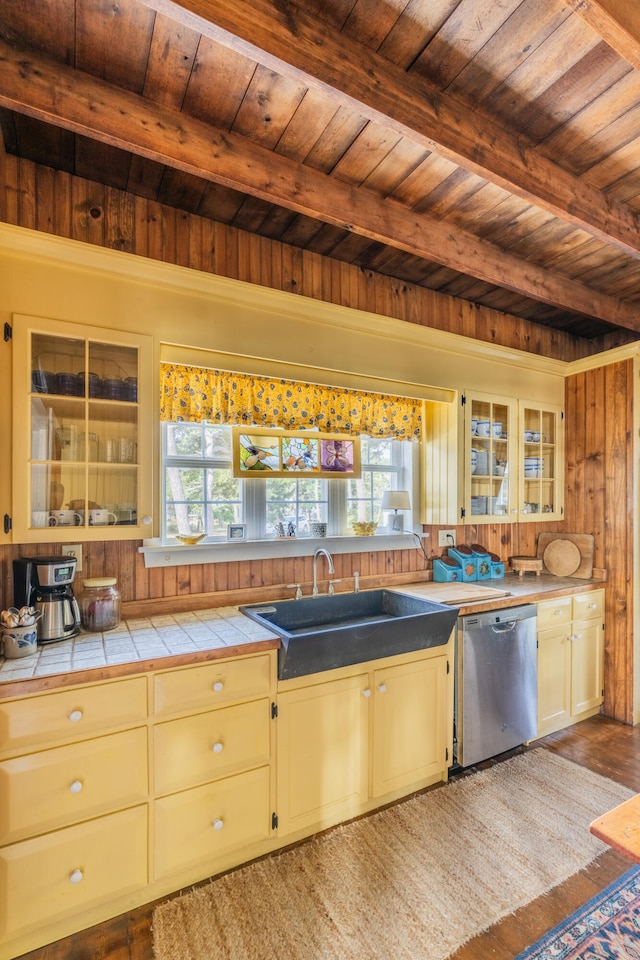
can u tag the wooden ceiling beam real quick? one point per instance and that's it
(617, 22)
(289, 41)
(57, 94)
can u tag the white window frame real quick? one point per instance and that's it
(253, 493)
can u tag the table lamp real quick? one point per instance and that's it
(395, 500)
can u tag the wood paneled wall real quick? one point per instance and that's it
(599, 499)
(599, 461)
(40, 198)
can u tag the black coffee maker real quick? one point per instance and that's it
(46, 583)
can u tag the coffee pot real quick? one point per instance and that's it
(46, 583)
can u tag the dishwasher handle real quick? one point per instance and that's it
(504, 627)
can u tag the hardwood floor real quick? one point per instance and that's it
(605, 746)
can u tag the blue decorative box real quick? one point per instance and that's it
(468, 563)
(497, 569)
(483, 561)
(444, 571)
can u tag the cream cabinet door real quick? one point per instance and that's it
(409, 724)
(322, 753)
(554, 680)
(586, 665)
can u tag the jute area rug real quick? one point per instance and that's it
(413, 882)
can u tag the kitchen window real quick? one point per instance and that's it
(201, 495)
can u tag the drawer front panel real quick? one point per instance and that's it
(211, 685)
(65, 872)
(198, 825)
(54, 788)
(554, 613)
(71, 714)
(588, 606)
(210, 745)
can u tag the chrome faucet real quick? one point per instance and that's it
(315, 567)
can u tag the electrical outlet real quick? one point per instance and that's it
(446, 538)
(73, 550)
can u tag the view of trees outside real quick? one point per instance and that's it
(202, 495)
(201, 499)
(364, 495)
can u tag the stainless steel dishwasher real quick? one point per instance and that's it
(496, 697)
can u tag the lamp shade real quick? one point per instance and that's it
(395, 500)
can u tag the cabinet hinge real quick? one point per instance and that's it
(446, 753)
(274, 711)
(448, 667)
(274, 821)
(8, 332)
(7, 523)
(562, 414)
(463, 513)
(463, 399)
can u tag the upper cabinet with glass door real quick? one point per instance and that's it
(541, 462)
(489, 488)
(82, 433)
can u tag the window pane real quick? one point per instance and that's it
(217, 443)
(184, 440)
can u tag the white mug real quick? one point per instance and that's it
(100, 518)
(484, 428)
(64, 518)
(40, 518)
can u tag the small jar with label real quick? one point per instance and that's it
(99, 604)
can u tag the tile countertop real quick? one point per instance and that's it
(169, 640)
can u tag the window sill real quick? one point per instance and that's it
(158, 554)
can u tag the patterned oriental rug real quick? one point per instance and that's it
(606, 928)
(411, 882)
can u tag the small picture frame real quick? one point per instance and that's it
(236, 531)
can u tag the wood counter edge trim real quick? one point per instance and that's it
(607, 828)
(57, 681)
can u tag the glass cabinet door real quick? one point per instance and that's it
(83, 430)
(489, 489)
(541, 463)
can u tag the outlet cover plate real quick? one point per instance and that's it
(446, 538)
(73, 550)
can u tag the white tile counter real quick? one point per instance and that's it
(142, 640)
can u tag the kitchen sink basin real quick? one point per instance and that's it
(322, 633)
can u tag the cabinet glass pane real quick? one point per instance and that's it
(539, 466)
(489, 427)
(112, 372)
(57, 365)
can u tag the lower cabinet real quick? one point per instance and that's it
(350, 742)
(570, 659)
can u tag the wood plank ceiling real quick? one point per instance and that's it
(487, 149)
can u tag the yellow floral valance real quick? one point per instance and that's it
(197, 393)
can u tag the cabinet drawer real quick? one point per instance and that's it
(201, 824)
(212, 684)
(58, 787)
(554, 613)
(71, 714)
(589, 606)
(71, 870)
(210, 745)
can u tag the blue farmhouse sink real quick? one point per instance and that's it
(322, 633)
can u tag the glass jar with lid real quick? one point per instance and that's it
(99, 604)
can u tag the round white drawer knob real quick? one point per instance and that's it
(366, 693)
(558, 613)
(382, 688)
(218, 824)
(75, 715)
(217, 747)
(76, 786)
(218, 686)
(76, 876)
(593, 606)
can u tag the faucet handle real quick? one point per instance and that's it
(331, 590)
(297, 588)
